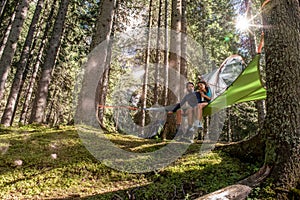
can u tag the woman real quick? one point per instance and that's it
(204, 97)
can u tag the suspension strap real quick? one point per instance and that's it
(127, 107)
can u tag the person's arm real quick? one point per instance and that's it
(206, 96)
(198, 95)
(176, 107)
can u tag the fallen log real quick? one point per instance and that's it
(240, 190)
(231, 192)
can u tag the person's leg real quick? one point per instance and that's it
(195, 112)
(190, 116)
(200, 109)
(179, 114)
(196, 120)
(191, 130)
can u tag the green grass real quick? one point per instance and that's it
(55, 165)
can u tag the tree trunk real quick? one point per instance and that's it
(157, 54)
(28, 63)
(54, 45)
(51, 109)
(146, 74)
(104, 22)
(103, 32)
(103, 84)
(229, 129)
(29, 89)
(7, 117)
(261, 112)
(174, 65)
(11, 45)
(175, 47)
(2, 6)
(183, 62)
(6, 35)
(103, 87)
(6, 27)
(166, 54)
(101, 36)
(282, 48)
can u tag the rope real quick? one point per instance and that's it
(127, 107)
(160, 109)
(265, 3)
(261, 43)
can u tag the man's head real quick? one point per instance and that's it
(190, 86)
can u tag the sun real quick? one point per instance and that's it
(242, 24)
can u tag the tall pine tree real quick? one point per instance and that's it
(40, 101)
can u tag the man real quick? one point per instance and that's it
(191, 98)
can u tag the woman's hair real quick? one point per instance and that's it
(204, 82)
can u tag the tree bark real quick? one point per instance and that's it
(183, 62)
(7, 117)
(30, 87)
(104, 22)
(175, 47)
(281, 127)
(261, 112)
(103, 87)
(6, 35)
(174, 65)
(146, 74)
(51, 108)
(2, 6)
(11, 45)
(166, 54)
(157, 54)
(54, 45)
(103, 32)
(101, 36)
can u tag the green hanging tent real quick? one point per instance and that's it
(246, 87)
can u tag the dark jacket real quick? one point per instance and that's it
(191, 98)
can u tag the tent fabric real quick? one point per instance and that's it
(246, 87)
(221, 78)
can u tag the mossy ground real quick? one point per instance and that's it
(52, 163)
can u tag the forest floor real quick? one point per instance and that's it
(52, 163)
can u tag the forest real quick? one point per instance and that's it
(88, 91)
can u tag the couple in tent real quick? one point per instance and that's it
(192, 105)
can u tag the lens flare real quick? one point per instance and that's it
(242, 24)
